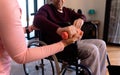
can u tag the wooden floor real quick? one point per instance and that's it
(114, 55)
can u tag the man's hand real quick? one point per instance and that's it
(71, 30)
(74, 38)
(78, 23)
(29, 28)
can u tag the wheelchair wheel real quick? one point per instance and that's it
(40, 67)
(83, 70)
(80, 70)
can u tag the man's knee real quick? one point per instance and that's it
(102, 43)
(89, 52)
(94, 52)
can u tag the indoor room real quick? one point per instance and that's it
(102, 21)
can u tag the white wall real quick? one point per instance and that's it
(85, 5)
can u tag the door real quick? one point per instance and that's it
(112, 22)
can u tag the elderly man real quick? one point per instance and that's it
(52, 18)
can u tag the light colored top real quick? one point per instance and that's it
(12, 39)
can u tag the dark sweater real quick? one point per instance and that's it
(48, 19)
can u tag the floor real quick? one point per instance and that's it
(114, 55)
(17, 69)
(113, 52)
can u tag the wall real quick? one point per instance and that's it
(85, 5)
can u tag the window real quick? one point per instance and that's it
(28, 7)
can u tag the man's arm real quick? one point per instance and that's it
(41, 20)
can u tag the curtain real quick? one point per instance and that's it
(114, 24)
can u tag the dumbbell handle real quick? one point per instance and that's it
(64, 35)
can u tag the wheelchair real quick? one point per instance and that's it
(68, 58)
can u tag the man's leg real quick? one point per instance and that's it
(92, 53)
